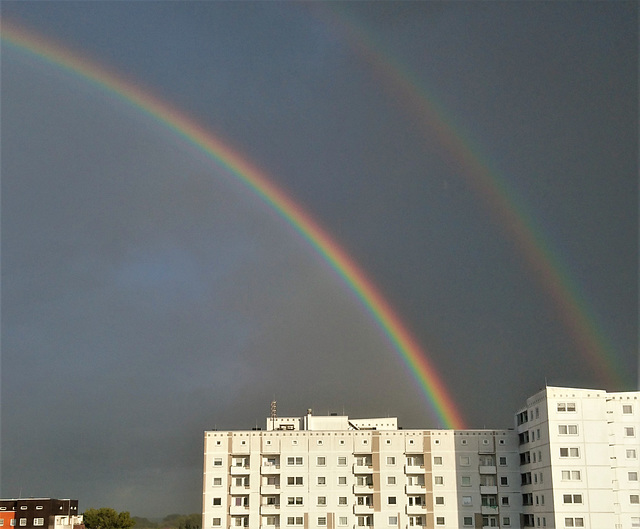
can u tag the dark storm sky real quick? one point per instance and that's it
(147, 296)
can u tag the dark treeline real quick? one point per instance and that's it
(172, 521)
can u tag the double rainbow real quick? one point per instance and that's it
(191, 132)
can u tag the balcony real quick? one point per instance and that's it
(238, 510)
(362, 489)
(270, 469)
(270, 509)
(239, 490)
(269, 489)
(362, 509)
(486, 469)
(362, 469)
(489, 509)
(414, 469)
(416, 510)
(414, 489)
(239, 471)
(488, 489)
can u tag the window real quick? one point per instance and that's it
(627, 409)
(342, 500)
(571, 475)
(568, 429)
(504, 500)
(342, 520)
(630, 431)
(506, 521)
(631, 453)
(391, 480)
(38, 521)
(294, 500)
(294, 480)
(322, 480)
(569, 452)
(391, 460)
(217, 462)
(393, 520)
(217, 502)
(1, 522)
(438, 480)
(467, 521)
(574, 522)
(23, 522)
(566, 406)
(217, 522)
(503, 461)
(437, 460)
(439, 500)
(321, 461)
(504, 481)
(634, 499)
(391, 500)
(572, 498)
(439, 520)
(635, 521)
(322, 520)
(342, 461)
(322, 501)
(294, 461)
(466, 501)
(633, 476)
(217, 482)
(319, 442)
(342, 480)
(295, 520)
(464, 461)
(39, 507)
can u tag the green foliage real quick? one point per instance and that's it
(107, 518)
(181, 521)
(144, 523)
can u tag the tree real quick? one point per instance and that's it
(107, 518)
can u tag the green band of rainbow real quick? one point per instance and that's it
(509, 211)
(353, 276)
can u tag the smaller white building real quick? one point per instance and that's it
(579, 459)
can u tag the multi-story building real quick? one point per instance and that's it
(579, 453)
(572, 461)
(30, 513)
(333, 472)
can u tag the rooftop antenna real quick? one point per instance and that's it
(274, 414)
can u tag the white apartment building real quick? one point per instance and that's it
(572, 461)
(332, 472)
(579, 452)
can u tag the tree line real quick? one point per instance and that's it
(107, 518)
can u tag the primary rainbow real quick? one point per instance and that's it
(511, 213)
(190, 131)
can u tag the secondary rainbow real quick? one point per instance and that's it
(353, 276)
(510, 212)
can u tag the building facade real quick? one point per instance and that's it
(571, 461)
(40, 513)
(579, 461)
